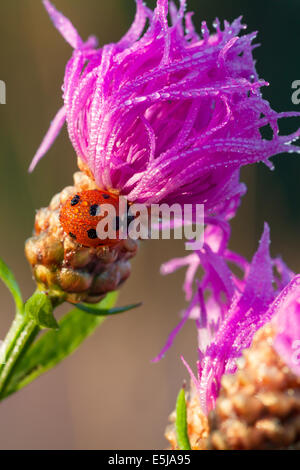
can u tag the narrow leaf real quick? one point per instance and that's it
(102, 312)
(9, 280)
(55, 345)
(39, 308)
(181, 422)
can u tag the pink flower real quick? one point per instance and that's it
(166, 115)
(228, 309)
(287, 321)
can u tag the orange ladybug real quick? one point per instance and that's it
(81, 213)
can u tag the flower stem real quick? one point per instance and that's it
(26, 359)
(21, 334)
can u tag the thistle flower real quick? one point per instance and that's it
(257, 407)
(166, 115)
(248, 307)
(229, 311)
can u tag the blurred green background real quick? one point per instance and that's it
(108, 395)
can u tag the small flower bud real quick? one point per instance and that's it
(73, 271)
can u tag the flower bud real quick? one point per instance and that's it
(67, 269)
(258, 407)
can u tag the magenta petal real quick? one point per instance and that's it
(175, 331)
(63, 25)
(137, 26)
(192, 263)
(50, 137)
(259, 290)
(286, 311)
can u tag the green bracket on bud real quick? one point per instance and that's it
(39, 309)
(181, 422)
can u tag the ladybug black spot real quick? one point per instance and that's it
(75, 200)
(72, 235)
(105, 196)
(93, 209)
(92, 233)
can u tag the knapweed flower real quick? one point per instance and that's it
(257, 407)
(166, 115)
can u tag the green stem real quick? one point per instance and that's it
(25, 359)
(21, 334)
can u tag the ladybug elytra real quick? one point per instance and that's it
(81, 213)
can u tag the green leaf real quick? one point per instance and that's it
(113, 311)
(39, 308)
(53, 346)
(181, 422)
(9, 279)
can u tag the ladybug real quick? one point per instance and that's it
(81, 213)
